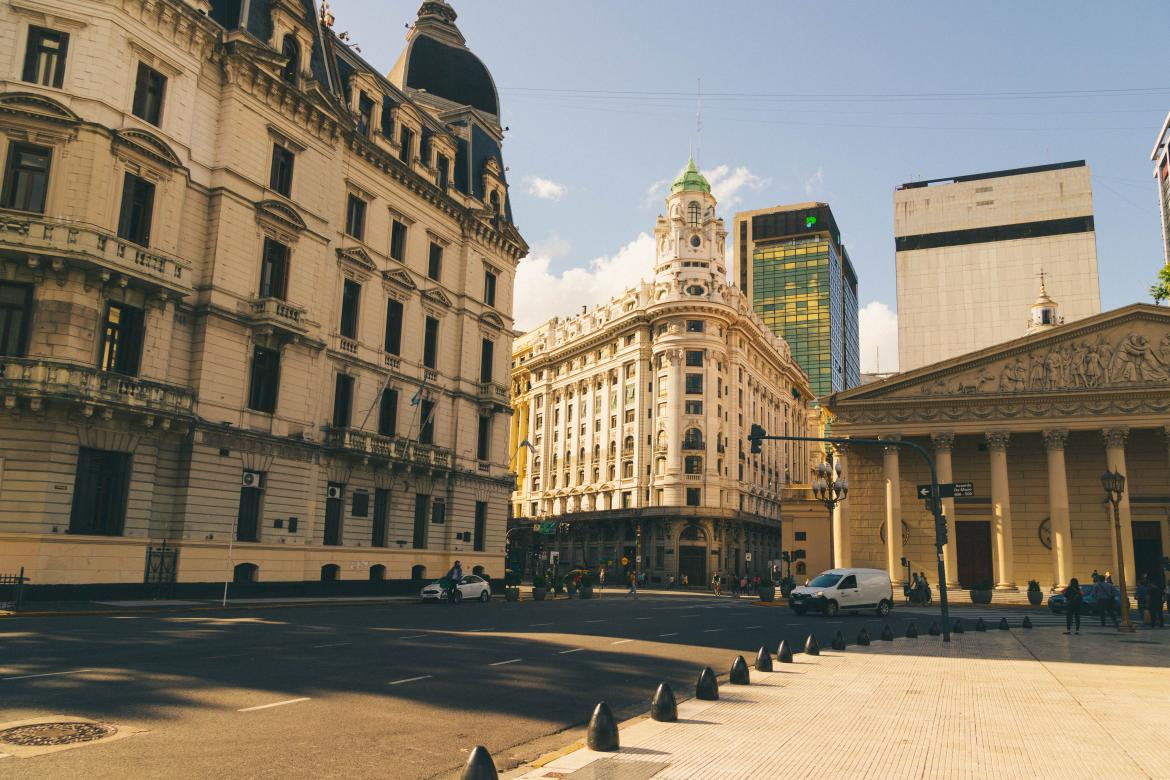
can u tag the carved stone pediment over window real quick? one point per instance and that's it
(492, 320)
(37, 107)
(358, 257)
(401, 279)
(438, 297)
(148, 144)
(280, 213)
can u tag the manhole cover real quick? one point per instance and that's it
(52, 734)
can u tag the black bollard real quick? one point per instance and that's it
(784, 652)
(912, 630)
(1003, 625)
(838, 641)
(603, 731)
(980, 625)
(934, 628)
(479, 765)
(739, 672)
(887, 634)
(810, 645)
(1027, 622)
(957, 627)
(663, 707)
(707, 688)
(763, 660)
(863, 637)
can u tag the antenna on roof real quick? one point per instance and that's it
(699, 120)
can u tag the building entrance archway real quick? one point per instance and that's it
(692, 555)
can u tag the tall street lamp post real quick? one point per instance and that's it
(830, 488)
(1114, 484)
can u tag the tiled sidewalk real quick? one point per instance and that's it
(1027, 704)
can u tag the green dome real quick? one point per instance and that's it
(690, 180)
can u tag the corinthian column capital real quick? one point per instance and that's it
(997, 441)
(943, 442)
(1115, 437)
(1055, 439)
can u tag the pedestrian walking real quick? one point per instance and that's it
(715, 583)
(601, 579)
(1154, 603)
(1103, 601)
(633, 591)
(1073, 601)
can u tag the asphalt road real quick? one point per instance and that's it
(398, 691)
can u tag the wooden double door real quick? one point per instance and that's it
(973, 550)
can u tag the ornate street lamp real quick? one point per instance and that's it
(830, 488)
(1114, 484)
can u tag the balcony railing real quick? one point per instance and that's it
(490, 391)
(79, 242)
(394, 448)
(279, 314)
(39, 378)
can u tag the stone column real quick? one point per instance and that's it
(1058, 513)
(842, 548)
(1001, 507)
(893, 481)
(1115, 439)
(943, 444)
(672, 494)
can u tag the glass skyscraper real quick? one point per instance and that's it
(790, 262)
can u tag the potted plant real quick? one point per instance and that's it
(512, 585)
(539, 587)
(586, 590)
(981, 592)
(1035, 595)
(787, 583)
(766, 589)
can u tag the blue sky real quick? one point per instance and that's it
(831, 101)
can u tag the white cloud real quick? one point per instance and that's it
(554, 246)
(541, 294)
(813, 183)
(656, 192)
(726, 183)
(545, 189)
(879, 338)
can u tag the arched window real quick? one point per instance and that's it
(662, 440)
(291, 49)
(330, 572)
(800, 567)
(596, 452)
(694, 213)
(693, 464)
(418, 572)
(536, 464)
(693, 439)
(494, 198)
(245, 573)
(612, 448)
(377, 572)
(628, 444)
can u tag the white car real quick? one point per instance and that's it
(839, 589)
(472, 586)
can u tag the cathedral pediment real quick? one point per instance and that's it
(1126, 349)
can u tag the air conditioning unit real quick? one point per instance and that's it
(333, 492)
(250, 479)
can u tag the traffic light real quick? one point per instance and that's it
(784, 557)
(757, 433)
(797, 555)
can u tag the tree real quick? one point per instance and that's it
(1160, 291)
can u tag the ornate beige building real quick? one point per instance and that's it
(1032, 423)
(252, 293)
(635, 412)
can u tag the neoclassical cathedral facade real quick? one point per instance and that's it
(630, 418)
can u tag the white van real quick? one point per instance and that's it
(837, 589)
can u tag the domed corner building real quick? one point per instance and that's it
(631, 418)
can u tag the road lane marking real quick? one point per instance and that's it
(534, 625)
(45, 674)
(413, 636)
(411, 679)
(644, 618)
(621, 641)
(274, 704)
(745, 628)
(673, 633)
(334, 644)
(685, 616)
(711, 630)
(574, 650)
(598, 620)
(505, 663)
(482, 629)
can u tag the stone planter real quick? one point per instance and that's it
(586, 592)
(538, 594)
(511, 594)
(767, 593)
(980, 596)
(1035, 597)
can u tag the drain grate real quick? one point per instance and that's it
(53, 734)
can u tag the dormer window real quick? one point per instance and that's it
(694, 213)
(292, 50)
(444, 166)
(494, 200)
(405, 142)
(365, 115)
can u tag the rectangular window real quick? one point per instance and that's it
(248, 515)
(99, 493)
(150, 86)
(342, 400)
(694, 407)
(281, 171)
(26, 178)
(438, 511)
(137, 210)
(334, 509)
(351, 296)
(435, 262)
(381, 517)
(355, 216)
(44, 59)
(694, 384)
(365, 115)
(693, 464)
(405, 142)
(629, 415)
(801, 536)
(444, 165)
(694, 496)
(388, 413)
(422, 504)
(398, 241)
(489, 288)
(122, 332)
(484, 440)
(430, 342)
(360, 504)
(15, 315)
(265, 380)
(694, 326)
(627, 500)
(274, 270)
(479, 535)
(394, 327)
(694, 357)
(486, 358)
(426, 430)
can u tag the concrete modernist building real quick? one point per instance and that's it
(790, 262)
(636, 414)
(252, 293)
(1032, 423)
(970, 251)
(1161, 159)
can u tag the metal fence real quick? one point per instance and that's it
(12, 590)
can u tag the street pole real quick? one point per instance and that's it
(1126, 625)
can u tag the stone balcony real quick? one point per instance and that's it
(36, 380)
(279, 315)
(494, 394)
(391, 448)
(55, 243)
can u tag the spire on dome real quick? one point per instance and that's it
(690, 180)
(1045, 312)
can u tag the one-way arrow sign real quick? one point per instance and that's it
(949, 490)
(924, 491)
